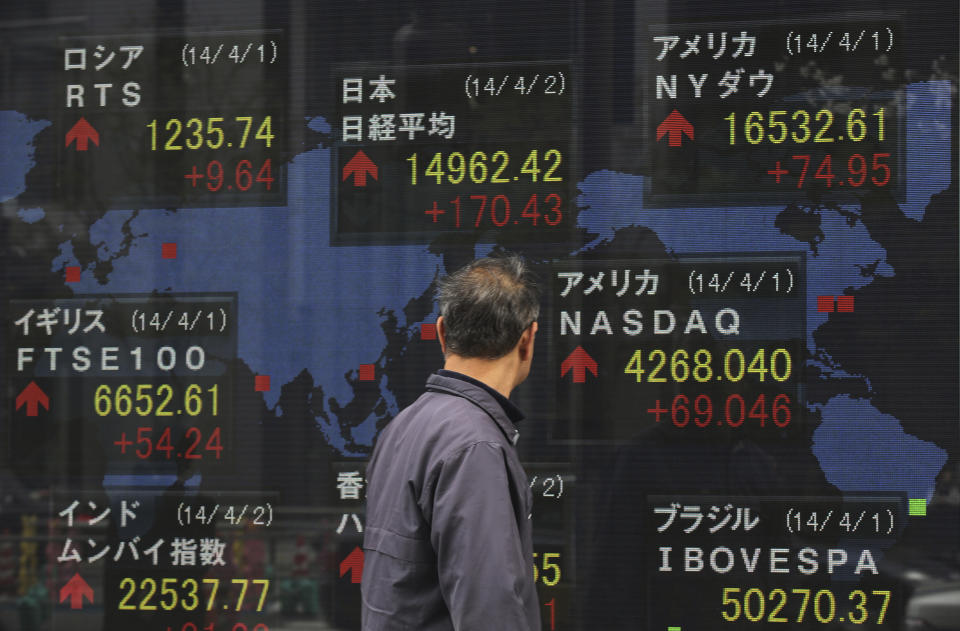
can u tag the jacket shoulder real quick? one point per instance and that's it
(446, 422)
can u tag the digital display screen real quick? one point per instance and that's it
(223, 227)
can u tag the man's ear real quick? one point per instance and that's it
(442, 335)
(526, 341)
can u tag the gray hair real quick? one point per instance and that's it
(487, 305)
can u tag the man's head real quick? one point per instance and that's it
(488, 312)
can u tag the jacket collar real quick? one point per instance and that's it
(480, 397)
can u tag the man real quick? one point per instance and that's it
(448, 535)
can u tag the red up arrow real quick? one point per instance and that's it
(580, 361)
(83, 132)
(675, 125)
(353, 563)
(359, 166)
(33, 397)
(76, 590)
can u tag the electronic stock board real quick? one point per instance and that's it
(222, 229)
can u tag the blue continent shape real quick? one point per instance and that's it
(861, 449)
(291, 299)
(16, 159)
(303, 304)
(898, 461)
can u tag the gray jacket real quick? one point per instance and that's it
(447, 543)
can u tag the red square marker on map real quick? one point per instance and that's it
(261, 383)
(367, 372)
(428, 331)
(72, 274)
(845, 304)
(825, 304)
(168, 250)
